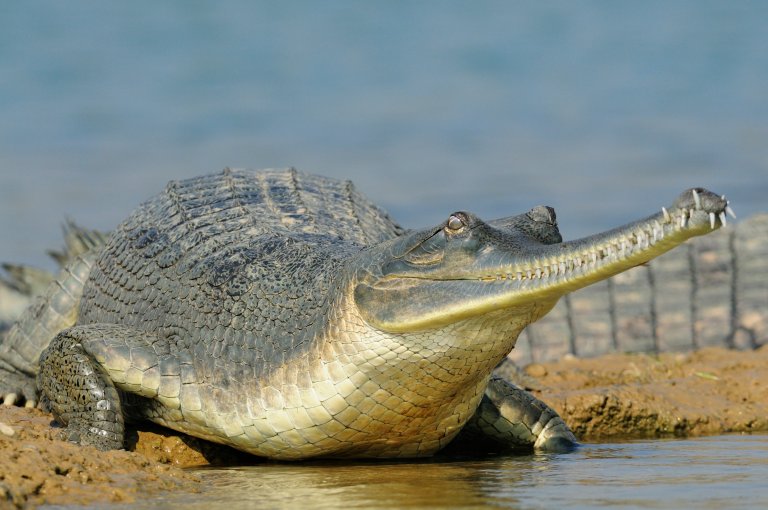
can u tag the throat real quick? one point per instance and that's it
(439, 364)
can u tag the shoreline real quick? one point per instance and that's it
(617, 396)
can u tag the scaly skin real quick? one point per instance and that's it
(48, 314)
(23, 284)
(285, 315)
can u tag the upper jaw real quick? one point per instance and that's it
(412, 300)
(584, 261)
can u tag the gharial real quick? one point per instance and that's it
(287, 316)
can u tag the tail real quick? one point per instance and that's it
(77, 241)
(50, 310)
(21, 283)
(49, 313)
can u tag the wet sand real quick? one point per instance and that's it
(712, 391)
(707, 392)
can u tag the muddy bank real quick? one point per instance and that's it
(712, 391)
(37, 468)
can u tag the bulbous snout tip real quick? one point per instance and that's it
(701, 200)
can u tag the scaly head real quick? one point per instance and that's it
(466, 268)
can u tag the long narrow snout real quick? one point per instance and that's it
(561, 268)
(535, 274)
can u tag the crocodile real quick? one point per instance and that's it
(287, 316)
(722, 278)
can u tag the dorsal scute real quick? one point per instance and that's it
(275, 200)
(238, 264)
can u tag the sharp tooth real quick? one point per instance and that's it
(538, 272)
(722, 219)
(696, 199)
(545, 273)
(730, 211)
(682, 220)
(519, 275)
(529, 274)
(667, 218)
(555, 269)
(594, 257)
(562, 267)
(712, 220)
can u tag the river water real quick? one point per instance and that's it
(725, 472)
(604, 110)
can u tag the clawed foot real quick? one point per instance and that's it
(17, 399)
(86, 435)
(17, 389)
(557, 439)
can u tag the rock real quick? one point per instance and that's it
(536, 370)
(6, 429)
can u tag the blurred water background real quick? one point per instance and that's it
(605, 110)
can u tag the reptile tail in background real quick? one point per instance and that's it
(51, 306)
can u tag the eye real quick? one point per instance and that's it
(455, 222)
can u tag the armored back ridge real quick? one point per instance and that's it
(221, 258)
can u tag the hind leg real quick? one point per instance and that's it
(511, 418)
(79, 393)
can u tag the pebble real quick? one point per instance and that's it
(536, 370)
(6, 429)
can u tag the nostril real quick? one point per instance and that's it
(543, 213)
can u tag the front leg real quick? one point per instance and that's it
(85, 370)
(79, 393)
(510, 418)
